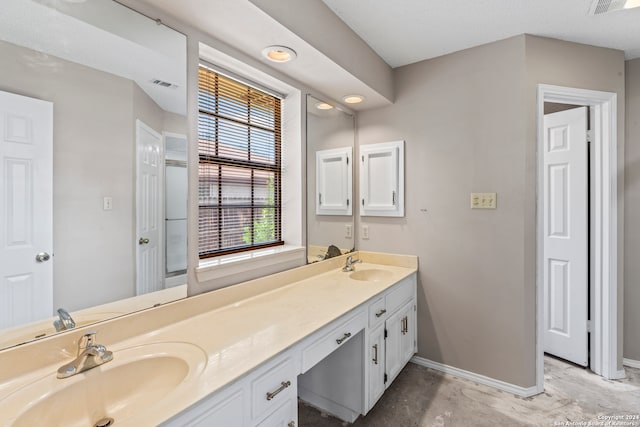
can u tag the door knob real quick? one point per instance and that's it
(143, 241)
(42, 257)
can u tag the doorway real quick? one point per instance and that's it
(603, 230)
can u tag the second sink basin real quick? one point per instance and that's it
(371, 275)
(137, 379)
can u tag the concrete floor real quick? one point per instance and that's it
(422, 397)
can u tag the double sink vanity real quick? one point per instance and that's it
(238, 356)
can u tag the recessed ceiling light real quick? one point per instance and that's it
(353, 99)
(279, 53)
(323, 106)
(630, 4)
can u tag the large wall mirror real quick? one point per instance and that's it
(93, 178)
(330, 147)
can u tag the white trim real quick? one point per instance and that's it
(605, 237)
(480, 379)
(242, 262)
(631, 363)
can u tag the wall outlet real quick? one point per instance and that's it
(107, 203)
(365, 232)
(484, 200)
(348, 231)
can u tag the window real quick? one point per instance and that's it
(239, 141)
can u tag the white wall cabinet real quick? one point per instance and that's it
(382, 179)
(334, 181)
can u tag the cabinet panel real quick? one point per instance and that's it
(382, 179)
(332, 339)
(225, 409)
(271, 387)
(376, 365)
(334, 182)
(285, 416)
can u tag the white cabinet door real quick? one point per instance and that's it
(407, 332)
(225, 409)
(393, 355)
(376, 365)
(382, 179)
(334, 181)
(285, 416)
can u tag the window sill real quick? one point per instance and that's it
(250, 261)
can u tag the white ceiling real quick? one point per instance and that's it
(406, 31)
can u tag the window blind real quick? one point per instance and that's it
(239, 139)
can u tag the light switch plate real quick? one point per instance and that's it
(365, 232)
(483, 200)
(107, 203)
(348, 231)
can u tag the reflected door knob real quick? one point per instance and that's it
(42, 257)
(143, 241)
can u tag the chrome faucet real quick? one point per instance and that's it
(89, 356)
(64, 322)
(349, 265)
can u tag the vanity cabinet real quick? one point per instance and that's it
(392, 340)
(342, 368)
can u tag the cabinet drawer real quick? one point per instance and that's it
(377, 312)
(331, 340)
(273, 387)
(400, 294)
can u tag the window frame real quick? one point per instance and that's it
(221, 161)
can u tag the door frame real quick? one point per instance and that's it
(604, 227)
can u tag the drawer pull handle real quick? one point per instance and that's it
(405, 325)
(344, 337)
(283, 385)
(375, 354)
(381, 312)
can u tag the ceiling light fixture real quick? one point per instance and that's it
(630, 4)
(353, 99)
(323, 106)
(279, 53)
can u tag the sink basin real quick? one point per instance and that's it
(137, 380)
(371, 275)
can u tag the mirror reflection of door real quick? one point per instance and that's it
(149, 210)
(26, 234)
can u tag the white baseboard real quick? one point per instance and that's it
(631, 363)
(480, 379)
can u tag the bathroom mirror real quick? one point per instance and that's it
(330, 144)
(109, 88)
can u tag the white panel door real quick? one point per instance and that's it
(149, 212)
(26, 209)
(565, 249)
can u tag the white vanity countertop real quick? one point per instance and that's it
(242, 335)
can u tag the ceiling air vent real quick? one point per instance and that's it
(604, 6)
(162, 83)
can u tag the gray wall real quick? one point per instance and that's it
(562, 63)
(468, 120)
(93, 157)
(632, 213)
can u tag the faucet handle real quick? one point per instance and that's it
(87, 340)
